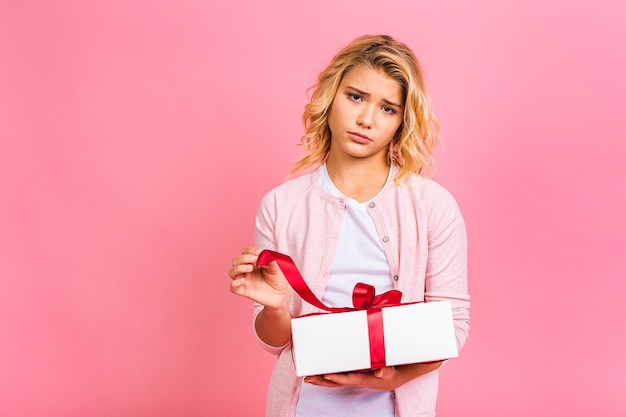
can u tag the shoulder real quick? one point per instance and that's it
(431, 202)
(290, 188)
(427, 192)
(292, 192)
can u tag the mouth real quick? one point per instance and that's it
(358, 137)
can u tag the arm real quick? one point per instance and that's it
(271, 318)
(446, 268)
(273, 327)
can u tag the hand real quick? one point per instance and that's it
(387, 378)
(266, 284)
(382, 379)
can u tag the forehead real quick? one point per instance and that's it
(374, 82)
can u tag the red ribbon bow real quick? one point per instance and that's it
(363, 298)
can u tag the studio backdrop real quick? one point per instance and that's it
(137, 138)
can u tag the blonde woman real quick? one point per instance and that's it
(361, 210)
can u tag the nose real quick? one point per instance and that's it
(366, 117)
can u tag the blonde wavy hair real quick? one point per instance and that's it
(418, 134)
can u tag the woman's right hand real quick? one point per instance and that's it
(266, 284)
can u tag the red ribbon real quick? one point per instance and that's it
(363, 298)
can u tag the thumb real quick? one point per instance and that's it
(272, 268)
(266, 260)
(385, 373)
(275, 268)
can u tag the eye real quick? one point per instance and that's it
(355, 97)
(388, 110)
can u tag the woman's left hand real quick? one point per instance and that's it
(382, 379)
(387, 378)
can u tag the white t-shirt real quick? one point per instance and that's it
(359, 258)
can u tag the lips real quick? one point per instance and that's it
(359, 138)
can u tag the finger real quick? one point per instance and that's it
(245, 259)
(320, 381)
(344, 379)
(237, 283)
(239, 271)
(250, 251)
(237, 286)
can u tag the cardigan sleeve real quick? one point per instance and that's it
(264, 238)
(446, 269)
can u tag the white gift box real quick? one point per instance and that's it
(339, 342)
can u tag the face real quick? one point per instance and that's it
(365, 115)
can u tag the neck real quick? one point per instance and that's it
(358, 179)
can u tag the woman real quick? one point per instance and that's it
(363, 211)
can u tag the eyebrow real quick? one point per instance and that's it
(363, 93)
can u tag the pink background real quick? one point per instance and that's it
(137, 138)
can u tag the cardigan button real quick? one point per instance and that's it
(395, 277)
(386, 239)
(372, 205)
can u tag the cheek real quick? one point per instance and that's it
(398, 129)
(334, 118)
(393, 128)
(331, 121)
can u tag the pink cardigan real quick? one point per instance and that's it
(423, 236)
